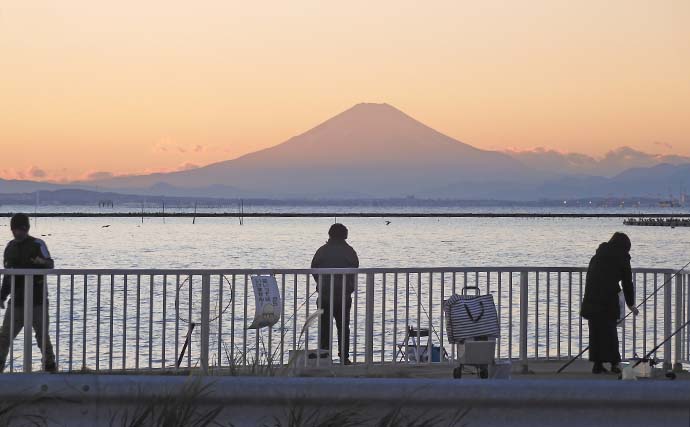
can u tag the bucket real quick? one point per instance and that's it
(436, 354)
(307, 358)
(643, 370)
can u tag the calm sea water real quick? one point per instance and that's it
(405, 242)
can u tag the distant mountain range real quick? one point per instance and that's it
(8, 186)
(377, 151)
(661, 181)
(612, 164)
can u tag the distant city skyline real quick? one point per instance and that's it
(94, 89)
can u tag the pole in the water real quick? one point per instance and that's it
(570, 362)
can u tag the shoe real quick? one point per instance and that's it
(615, 369)
(598, 368)
(347, 361)
(50, 367)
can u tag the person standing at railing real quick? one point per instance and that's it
(600, 305)
(25, 252)
(336, 253)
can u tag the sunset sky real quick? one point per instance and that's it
(139, 86)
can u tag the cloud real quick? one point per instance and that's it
(611, 164)
(163, 146)
(33, 172)
(538, 150)
(105, 175)
(168, 146)
(63, 176)
(179, 168)
(98, 175)
(186, 166)
(663, 144)
(36, 172)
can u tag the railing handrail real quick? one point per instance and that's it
(535, 298)
(365, 270)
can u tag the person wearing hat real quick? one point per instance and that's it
(336, 253)
(25, 252)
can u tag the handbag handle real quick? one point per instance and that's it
(473, 288)
(481, 314)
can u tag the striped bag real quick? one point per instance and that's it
(470, 316)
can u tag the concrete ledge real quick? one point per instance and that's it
(99, 399)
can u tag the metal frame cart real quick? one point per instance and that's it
(478, 351)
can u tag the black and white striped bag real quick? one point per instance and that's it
(470, 316)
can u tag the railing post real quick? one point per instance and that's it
(667, 320)
(524, 310)
(28, 321)
(677, 366)
(369, 321)
(205, 320)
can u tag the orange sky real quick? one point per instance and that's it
(134, 86)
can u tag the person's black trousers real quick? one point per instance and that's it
(325, 322)
(603, 341)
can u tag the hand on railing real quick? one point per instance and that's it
(634, 310)
(39, 261)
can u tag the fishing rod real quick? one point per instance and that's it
(421, 304)
(568, 363)
(662, 343)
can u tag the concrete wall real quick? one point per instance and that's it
(95, 400)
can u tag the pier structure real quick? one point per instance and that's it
(371, 214)
(658, 222)
(127, 341)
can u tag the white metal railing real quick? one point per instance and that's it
(104, 320)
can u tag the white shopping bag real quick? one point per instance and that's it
(268, 303)
(621, 307)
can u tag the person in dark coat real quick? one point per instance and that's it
(25, 252)
(336, 253)
(600, 305)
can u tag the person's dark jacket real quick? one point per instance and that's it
(607, 268)
(335, 254)
(19, 254)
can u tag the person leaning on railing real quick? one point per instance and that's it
(25, 252)
(600, 305)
